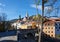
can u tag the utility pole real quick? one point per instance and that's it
(41, 29)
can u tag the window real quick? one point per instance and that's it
(48, 27)
(52, 35)
(52, 28)
(51, 31)
(59, 27)
(59, 24)
(48, 24)
(55, 24)
(56, 27)
(48, 31)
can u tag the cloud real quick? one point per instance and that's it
(34, 6)
(2, 4)
(49, 7)
(40, 7)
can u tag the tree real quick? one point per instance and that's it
(0, 18)
(9, 26)
(37, 2)
(37, 17)
(3, 18)
(19, 17)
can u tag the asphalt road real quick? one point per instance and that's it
(25, 38)
(9, 36)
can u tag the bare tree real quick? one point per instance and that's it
(50, 4)
(3, 18)
(37, 2)
(0, 18)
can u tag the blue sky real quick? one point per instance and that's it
(14, 8)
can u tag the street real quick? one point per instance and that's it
(9, 36)
(25, 37)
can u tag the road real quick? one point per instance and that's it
(23, 37)
(9, 36)
(13, 36)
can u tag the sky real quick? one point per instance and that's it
(14, 8)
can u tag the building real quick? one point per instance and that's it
(52, 27)
(27, 25)
(26, 17)
(57, 29)
(20, 23)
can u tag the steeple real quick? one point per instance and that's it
(27, 15)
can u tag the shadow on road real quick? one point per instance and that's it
(47, 38)
(8, 41)
(7, 33)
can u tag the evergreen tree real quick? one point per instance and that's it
(19, 17)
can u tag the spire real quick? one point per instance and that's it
(27, 15)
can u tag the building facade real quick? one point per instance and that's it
(52, 27)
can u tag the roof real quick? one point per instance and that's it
(52, 20)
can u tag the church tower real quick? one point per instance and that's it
(26, 17)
